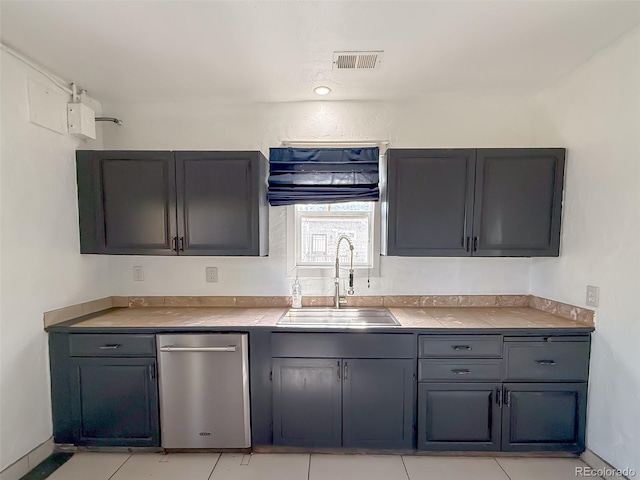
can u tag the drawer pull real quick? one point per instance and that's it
(113, 346)
(546, 363)
(461, 371)
(462, 348)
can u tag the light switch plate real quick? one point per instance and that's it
(211, 274)
(593, 296)
(138, 274)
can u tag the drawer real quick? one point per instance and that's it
(342, 345)
(112, 345)
(453, 346)
(556, 361)
(460, 370)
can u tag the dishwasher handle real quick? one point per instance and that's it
(171, 348)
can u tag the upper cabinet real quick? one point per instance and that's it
(484, 202)
(430, 202)
(172, 203)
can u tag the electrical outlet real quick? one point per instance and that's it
(593, 296)
(138, 274)
(212, 274)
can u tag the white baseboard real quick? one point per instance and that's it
(28, 462)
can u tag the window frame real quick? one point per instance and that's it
(306, 270)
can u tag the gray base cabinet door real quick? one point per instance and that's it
(459, 416)
(307, 407)
(378, 403)
(544, 416)
(115, 401)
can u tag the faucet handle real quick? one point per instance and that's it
(351, 291)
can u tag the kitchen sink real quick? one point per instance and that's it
(340, 318)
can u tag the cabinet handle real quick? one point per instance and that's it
(113, 346)
(475, 244)
(152, 371)
(346, 371)
(507, 397)
(174, 244)
(462, 371)
(462, 348)
(498, 396)
(339, 370)
(182, 244)
(468, 244)
(546, 363)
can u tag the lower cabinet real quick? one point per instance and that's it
(354, 403)
(115, 401)
(459, 416)
(544, 416)
(378, 402)
(534, 398)
(510, 417)
(307, 402)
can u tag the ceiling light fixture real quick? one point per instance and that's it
(322, 90)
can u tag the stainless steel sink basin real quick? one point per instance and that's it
(340, 318)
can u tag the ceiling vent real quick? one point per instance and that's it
(356, 60)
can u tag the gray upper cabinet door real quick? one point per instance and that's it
(221, 203)
(115, 401)
(126, 202)
(307, 408)
(544, 416)
(459, 416)
(518, 202)
(430, 195)
(378, 403)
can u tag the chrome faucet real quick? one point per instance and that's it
(338, 299)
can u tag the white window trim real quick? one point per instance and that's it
(325, 270)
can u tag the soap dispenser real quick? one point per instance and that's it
(296, 294)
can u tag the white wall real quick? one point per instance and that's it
(443, 121)
(595, 112)
(41, 268)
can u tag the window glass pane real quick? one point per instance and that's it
(351, 207)
(337, 207)
(312, 208)
(318, 237)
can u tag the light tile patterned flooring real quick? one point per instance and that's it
(232, 466)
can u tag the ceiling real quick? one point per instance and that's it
(275, 51)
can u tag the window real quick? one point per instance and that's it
(316, 229)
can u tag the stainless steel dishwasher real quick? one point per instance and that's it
(204, 391)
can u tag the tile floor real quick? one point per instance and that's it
(228, 466)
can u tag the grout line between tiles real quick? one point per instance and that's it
(405, 467)
(501, 467)
(214, 466)
(309, 469)
(118, 469)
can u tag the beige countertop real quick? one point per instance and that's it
(409, 318)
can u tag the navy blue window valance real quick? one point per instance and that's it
(323, 175)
